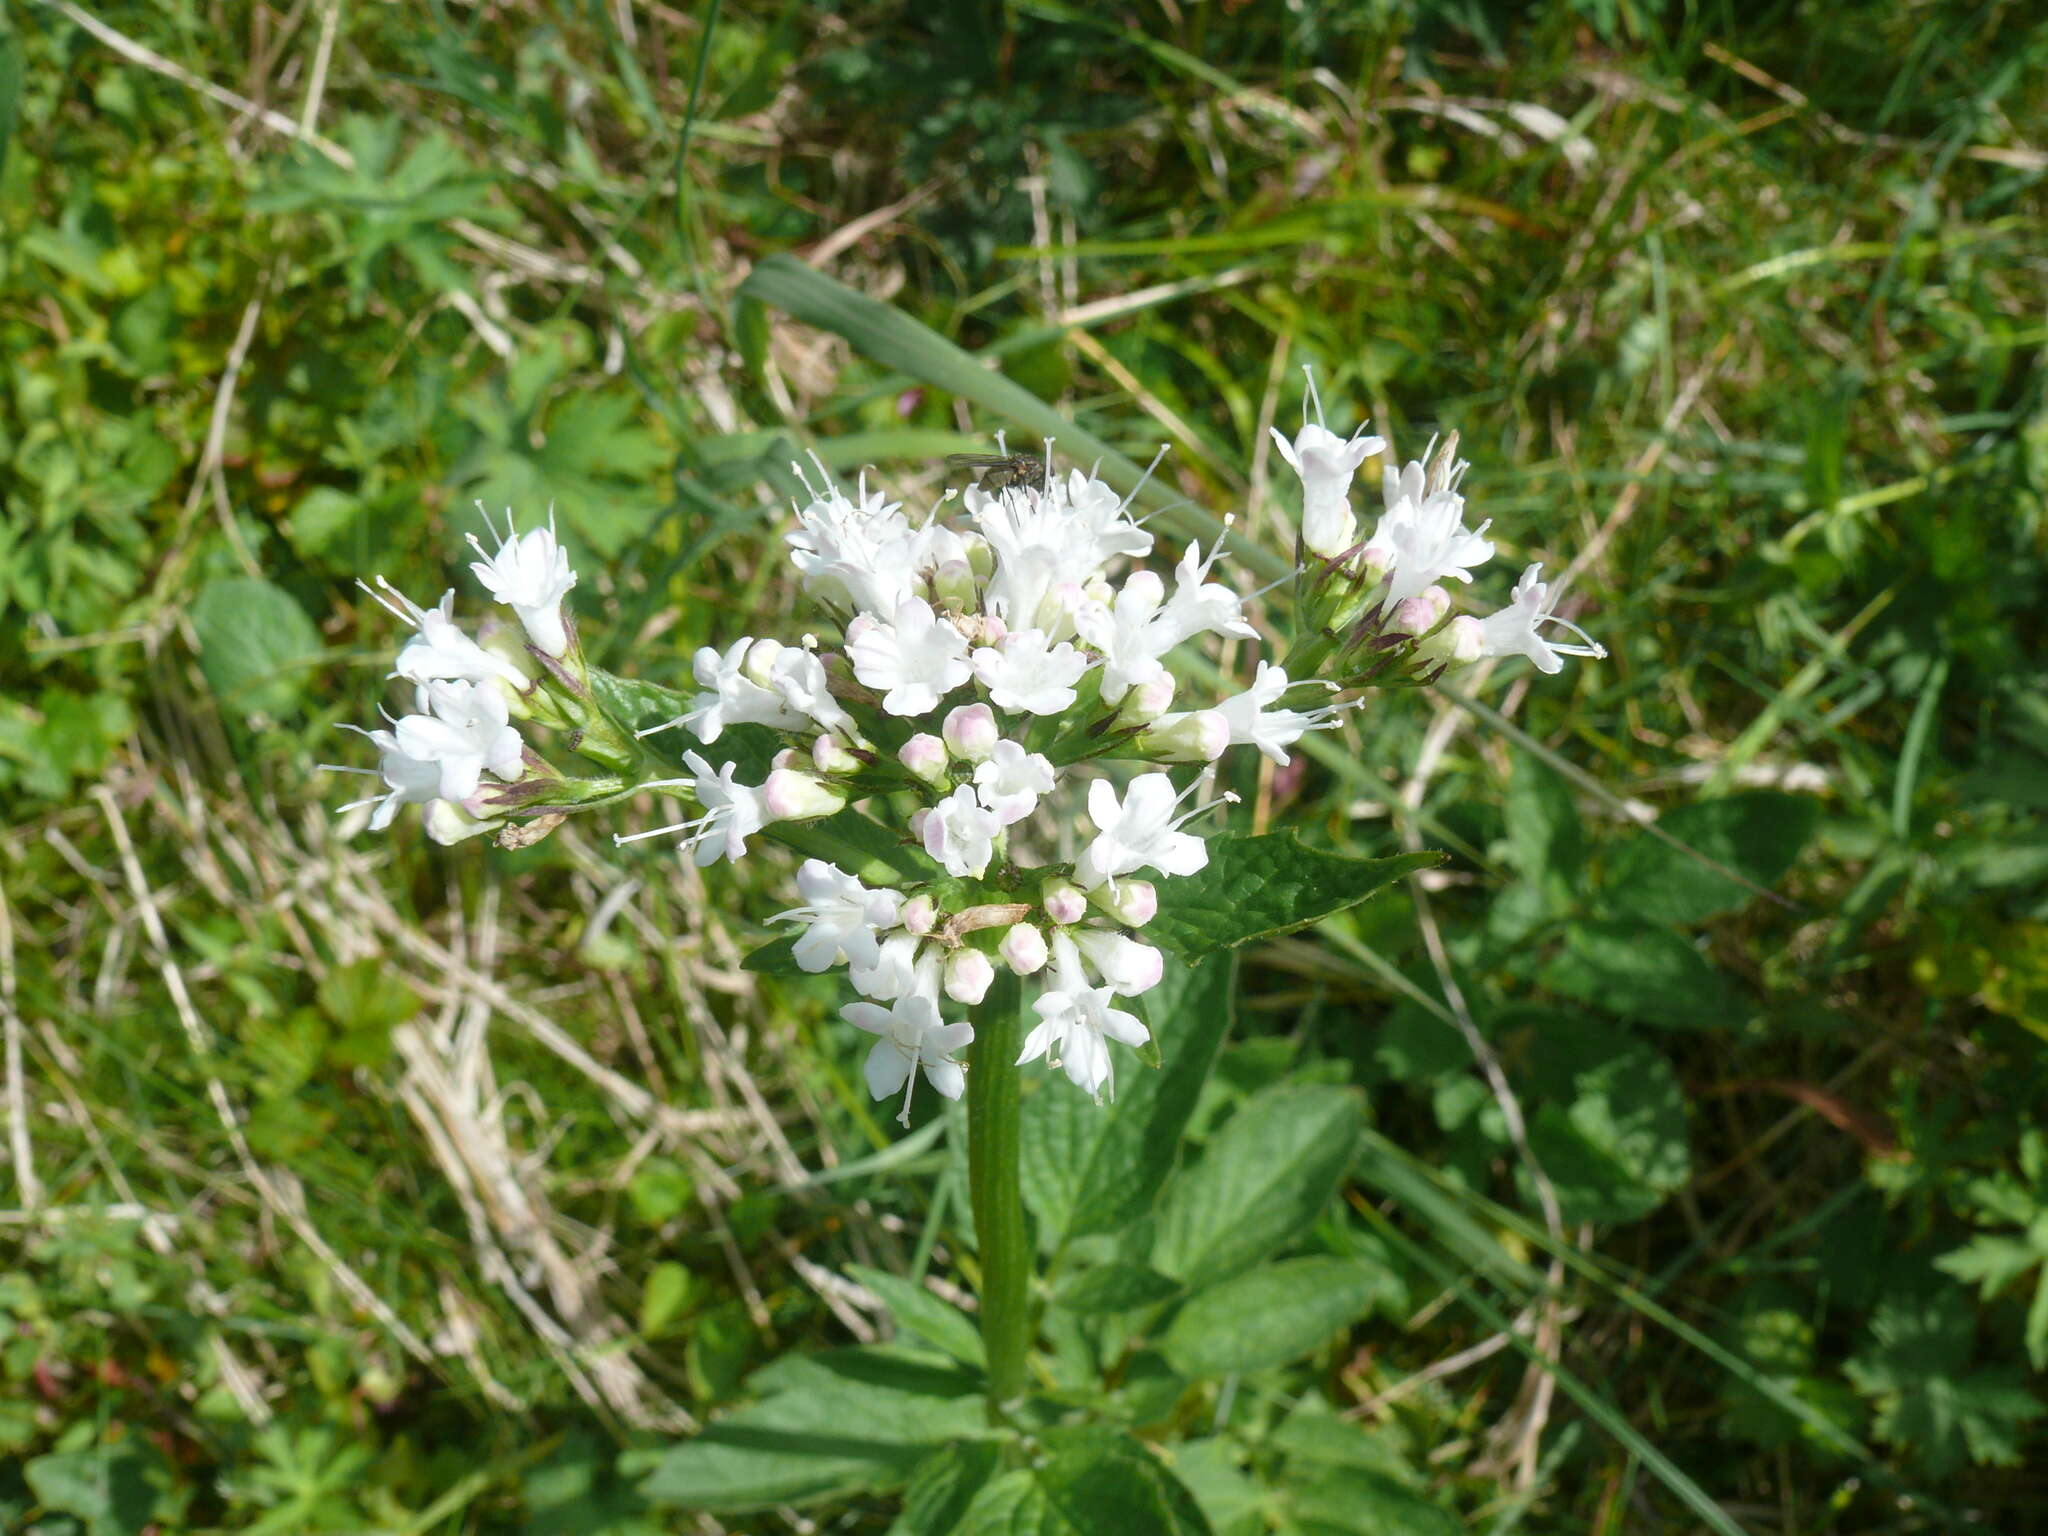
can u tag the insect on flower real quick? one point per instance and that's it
(999, 471)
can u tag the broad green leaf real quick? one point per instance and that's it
(106, 1488)
(775, 958)
(1352, 1501)
(895, 340)
(842, 1422)
(1270, 1315)
(662, 1299)
(1546, 843)
(1756, 835)
(1930, 1400)
(1094, 1482)
(1263, 1178)
(1647, 974)
(1091, 1168)
(1260, 887)
(255, 644)
(916, 1310)
(1609, 1122)
(1114, 1288)
(944, 1486)
(1211, 1470)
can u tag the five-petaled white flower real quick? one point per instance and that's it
(916, 659)
(960, 833)
(1512, 631)
(1026, 673)
(1326, 462)
(438, 650)
(1011, 781)
(442, 753)
(841, 918)
(733, 697)
(1076, 1024)
(531, 575)
(912, 1036)
(1254, 722)
(1142, 831)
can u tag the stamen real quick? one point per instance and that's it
(666, 725)
(1145, 478)
(1309, 371)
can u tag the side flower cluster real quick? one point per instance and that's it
(981, 668)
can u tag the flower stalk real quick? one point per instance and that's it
(995, 1186)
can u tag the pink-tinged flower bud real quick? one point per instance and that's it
(860, 624)
(1459, 643)
(920, 915)
(918, 818)
(968, 975)
(759, 667)
(1192, 738)
(1023, 950)
(970, 730)
(925, 756)
(829, 755)
(792, 796)
(1134, 903)
(1065, 902)
(1147, 701)
(1374, 561)
(993, 630)
(1419, 614)
(786, 758)
(1099, 591)
(953, 584)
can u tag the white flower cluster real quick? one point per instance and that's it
(985, 669)
(465, 692)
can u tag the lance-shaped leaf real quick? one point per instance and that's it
(1261, 887)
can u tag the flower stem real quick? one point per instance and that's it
(993, 1183)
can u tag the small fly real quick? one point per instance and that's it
(999, 471)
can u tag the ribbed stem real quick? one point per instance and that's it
(993, 1183)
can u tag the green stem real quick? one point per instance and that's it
(993, 1183)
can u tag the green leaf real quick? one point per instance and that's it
(775, 958)
(838, 1423)
(1090, 1168)
(1609, 1125)
(1647, 974)
(10, 86)
(1264, 1177)
(1546, 843)
(1271, 1315)
(1352, 1501)
(1260, 887)
(1114, 1288)
(1094, 1482)
(944, 1486)
(107, 1488)
(255, 644)
(662, 1300)
(916, 1310)
(1756, 835)
(364, 994)
(1928, 1398)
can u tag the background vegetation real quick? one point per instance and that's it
(362, 1185)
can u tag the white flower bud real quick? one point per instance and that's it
(993, 629)
(1188, 738)
(925, 756)
(1147, 701)
(759, 667)
(792, 796)
(1134, 903)
(920, 915)
(1023, 949)
(981, 559)
(829, 755)
(1459, 643)
(970, 730)
(1065, 902)
(918, 818)
(968, 975)
(786, 758)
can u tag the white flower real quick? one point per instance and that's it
(443, 752)
(1125, 965)
(1048, 543)
(732, 813)
(917, 659)
(912, 1036)
(1076, 1024)
(1028, 674)
(1512, 631)
(960, 833)
(1124, 632)
(731, 697)
(841, 917)
(1140, 832)
(969, 974)
(799, 677)
(1326, 463)
(438, 650)
(530, 574)
(1099, 516)
(1011, 780)
(1199, 605)
(852, 552)
(1255, 722)
(896, 971)
(1422, 537)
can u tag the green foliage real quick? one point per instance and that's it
(1261, 887)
